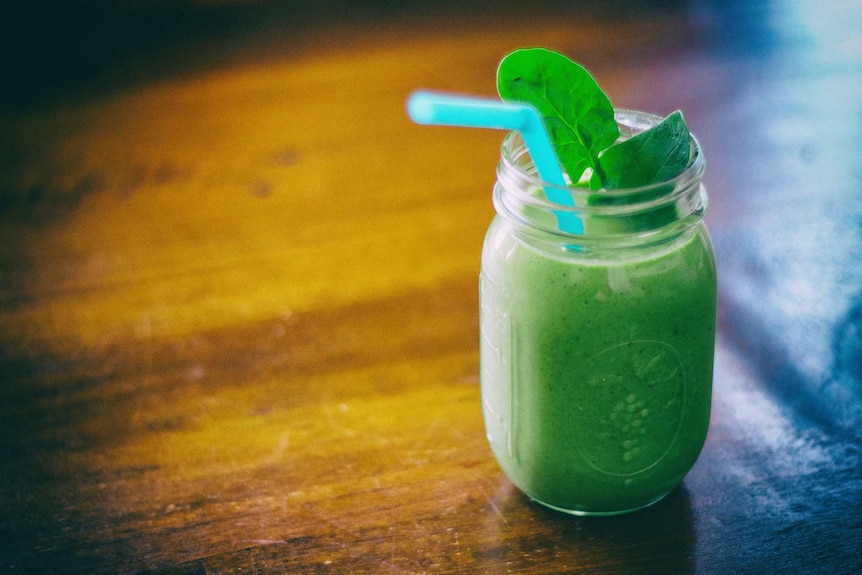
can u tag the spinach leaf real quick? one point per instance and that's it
(653, 156)
(580, 121)
(578, 115)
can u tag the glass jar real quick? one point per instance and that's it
(597, 340)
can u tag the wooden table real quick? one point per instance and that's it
(238, 300)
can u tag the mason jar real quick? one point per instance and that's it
(597, 339)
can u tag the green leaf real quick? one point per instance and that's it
(651, 157)
(578, 115)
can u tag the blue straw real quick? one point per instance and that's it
(425, 107)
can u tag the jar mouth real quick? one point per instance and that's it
(653, 209)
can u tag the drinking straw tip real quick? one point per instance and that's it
(419, 108)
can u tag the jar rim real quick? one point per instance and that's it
(630, 215)
(635, 121)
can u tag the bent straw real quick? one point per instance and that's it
(426, 107)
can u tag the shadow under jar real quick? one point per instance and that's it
(597, 340)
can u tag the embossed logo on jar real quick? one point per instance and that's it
(635, 396)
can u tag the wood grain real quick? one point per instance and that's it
(239, 315)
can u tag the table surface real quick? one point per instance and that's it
(238, 296)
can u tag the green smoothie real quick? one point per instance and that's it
(598, 288)
(596, 371)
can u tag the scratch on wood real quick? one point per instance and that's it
(493, 504)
